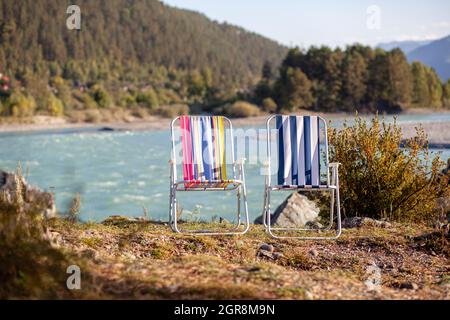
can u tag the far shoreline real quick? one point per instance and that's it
(438, 131)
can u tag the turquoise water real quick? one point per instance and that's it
(123, 172)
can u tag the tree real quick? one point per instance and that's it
(420, 93)
(55, 106)
(101, 96)
(354, 80)
(267, 71)
(435, 89)
(446, 94)
(293, 90)
(399, 75)
(269, 105)
(19, 105)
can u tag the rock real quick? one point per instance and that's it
(277, 255)
(223, 220)
(357, 222)
(264, 253)
(314, 252)
(266, 247)
(33, 197)
(409, 286)
(296, 211)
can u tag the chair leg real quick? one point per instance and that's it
(174, 219)
(330, 225)
(271, 230)
(264, 211)
(173, 207)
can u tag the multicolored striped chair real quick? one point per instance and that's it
(302, 154)
(204, 163)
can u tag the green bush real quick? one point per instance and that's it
(93, 116)
(172, 111)
(241, 109)
(19, 105)
(55, 106)
(379, 178)
(269, 105)
(147, 99)
(101, 96)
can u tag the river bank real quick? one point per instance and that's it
(438, 130)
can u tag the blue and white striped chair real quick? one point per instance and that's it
(302, 154)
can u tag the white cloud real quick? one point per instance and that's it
(416, 37)
(441, 24)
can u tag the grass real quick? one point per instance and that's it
(145, 260)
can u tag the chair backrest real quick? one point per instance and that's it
(299, 146)
(203, 148)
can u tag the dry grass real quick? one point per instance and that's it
(145, 260)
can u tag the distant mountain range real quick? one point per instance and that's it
(406, 46)
(435, 54)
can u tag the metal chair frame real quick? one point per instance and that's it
(236, 184)
(331, 186)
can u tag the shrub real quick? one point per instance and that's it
(241, 109)
(147, 99)
(269, 105)
(92, 116)
(88, 102)
(20, 105)
(379, 178)
(101, 96)
(30, 266)
(55, 106)
(171, 111)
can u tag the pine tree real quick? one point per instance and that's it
(293, 90)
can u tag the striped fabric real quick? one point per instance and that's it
(203, 147)
(298, 151)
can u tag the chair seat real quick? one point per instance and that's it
(295, 187)
(210, 185)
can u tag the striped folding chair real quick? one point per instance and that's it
(302, 154)
(203, 144)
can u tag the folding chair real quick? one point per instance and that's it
(299, 146)
(204, 165)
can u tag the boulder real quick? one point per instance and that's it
(33, 196)
(296, 211)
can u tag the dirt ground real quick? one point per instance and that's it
(145, 260)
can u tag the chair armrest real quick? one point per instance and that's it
(334, 172)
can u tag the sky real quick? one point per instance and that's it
(333, 23)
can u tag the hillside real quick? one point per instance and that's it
(436, 55)
(120, 35)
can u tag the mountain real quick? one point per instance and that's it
(436, 55)
(405, 46)
(124, 32)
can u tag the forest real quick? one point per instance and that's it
(150, 58)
